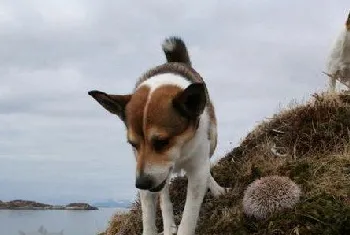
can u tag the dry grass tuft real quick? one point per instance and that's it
(309, 144)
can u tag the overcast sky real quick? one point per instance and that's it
(56, 142)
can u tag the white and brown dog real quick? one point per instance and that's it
(338, 61)
(171, 126)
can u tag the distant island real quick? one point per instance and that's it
(32, 205)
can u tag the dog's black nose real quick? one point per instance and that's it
(144, 182)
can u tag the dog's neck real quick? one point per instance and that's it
(199, 141)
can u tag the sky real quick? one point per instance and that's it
(57, 144)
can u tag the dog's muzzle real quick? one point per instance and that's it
(159, 187)
(146, 182)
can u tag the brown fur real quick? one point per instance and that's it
(134, 114)
(115, 104)
(162, 121)
(162, 115)
(148, 157)
(211, 134)
(191, 75)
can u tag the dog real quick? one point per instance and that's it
(171, 125)
(338, 61)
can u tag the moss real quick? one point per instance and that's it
(315, 138)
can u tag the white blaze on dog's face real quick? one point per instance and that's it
(160, 117)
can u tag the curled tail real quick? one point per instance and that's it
(175, 50)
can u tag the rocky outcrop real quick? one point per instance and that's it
(80, 206)
(32, 205)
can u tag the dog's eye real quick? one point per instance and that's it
(134, 145)
(159, 144)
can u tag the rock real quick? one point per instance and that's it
(80, 206)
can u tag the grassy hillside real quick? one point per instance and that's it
(308, 143)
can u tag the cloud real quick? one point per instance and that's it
(255, 56)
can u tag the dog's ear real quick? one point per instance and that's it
(191, 101)
(115, 104)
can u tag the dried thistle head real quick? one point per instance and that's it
(268, 195)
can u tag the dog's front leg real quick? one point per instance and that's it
(148, 207)
(332, 84)
(197, 187)
(167, 212)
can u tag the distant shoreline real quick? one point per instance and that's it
(32, 205)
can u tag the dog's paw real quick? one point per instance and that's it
(150, 233)
(173, 230)
(220, 191)
(162, 233)
(227, 190)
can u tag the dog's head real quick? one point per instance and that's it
(158, 122)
